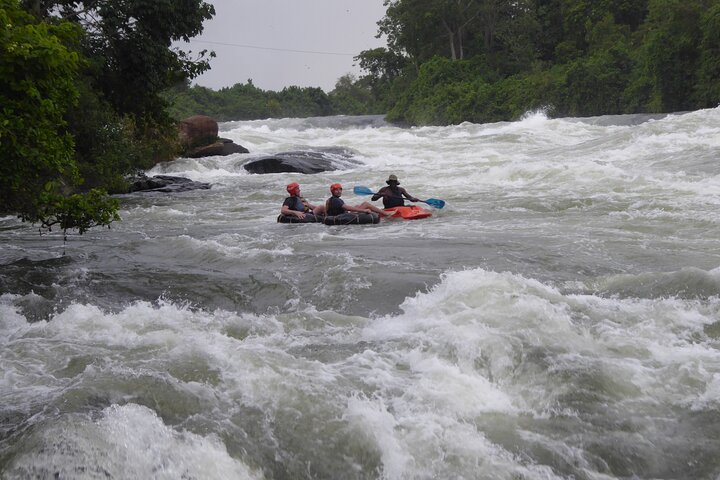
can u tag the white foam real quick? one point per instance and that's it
(128, 441)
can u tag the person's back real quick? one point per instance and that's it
(295, 205)
(393, 195)
(334, 206)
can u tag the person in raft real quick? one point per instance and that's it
(393, 194)
(337, 206)
(297, 206)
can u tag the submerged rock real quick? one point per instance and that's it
(166, 184)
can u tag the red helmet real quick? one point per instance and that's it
(335, 186)
(292, 188)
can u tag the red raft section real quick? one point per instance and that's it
(412, 212)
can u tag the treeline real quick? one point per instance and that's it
(81, 104)
(248, 102)
(450, 61)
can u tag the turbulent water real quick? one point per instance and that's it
(558, 319)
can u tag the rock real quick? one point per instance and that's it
(301, 162)
(199, 138)
(198, 130)
(222, 147)
(217, 148)
(166, 184)
(230, 147)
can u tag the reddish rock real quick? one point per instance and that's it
(198, 130)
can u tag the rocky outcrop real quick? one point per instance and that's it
(302, 162)
(165, 183)
(222, 147)
(197, 131)
(199, 138)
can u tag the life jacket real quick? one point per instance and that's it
(333, 206)
(396, 200)
(298, 205)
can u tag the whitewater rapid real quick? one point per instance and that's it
(559, 318)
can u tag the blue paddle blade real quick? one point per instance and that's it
(434, 202)
(362, 191)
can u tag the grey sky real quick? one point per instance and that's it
(270, 41)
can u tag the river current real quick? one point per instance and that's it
(558, 319)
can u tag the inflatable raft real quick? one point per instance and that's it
(411, 212)
(309, 218)
(352, 219)
(344, 219)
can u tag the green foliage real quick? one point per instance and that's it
(441, 94)
(449, 61)
(384, 68)
(185, 101)
(78, 211)
(567, 57)
(350, 97)
(595, 84)
(248, 102)
(511, 98)
(309, 101)
(412, 28)
(80, 88)
(129, 44)
(37, 72)
(707, 90)
(671, 52)
(111, 146)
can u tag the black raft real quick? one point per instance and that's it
(342, 219)
(309, 218)
(352, 219)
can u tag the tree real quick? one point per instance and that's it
(707, 93)
(38, 68)
(122, 115)
(412, 30)
(350, 97)
(455, 17)
(671, 53)
(80, 95)
(383, 67)
(130, 42)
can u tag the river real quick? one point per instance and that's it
(559, 318)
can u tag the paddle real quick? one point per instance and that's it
(433, 202)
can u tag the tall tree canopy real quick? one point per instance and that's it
(449, 61)
(130, 42)
(80, 93)
(37, 86)
(573, 57)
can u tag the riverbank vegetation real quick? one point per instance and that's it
(248, 102)
(80, 96)
(450, 61)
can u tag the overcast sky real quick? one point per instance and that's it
(278, 43)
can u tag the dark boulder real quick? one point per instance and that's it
(230, 147)
(302, 162)
(166, 184)
(222, 147)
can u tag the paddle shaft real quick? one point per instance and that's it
(433, 202)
